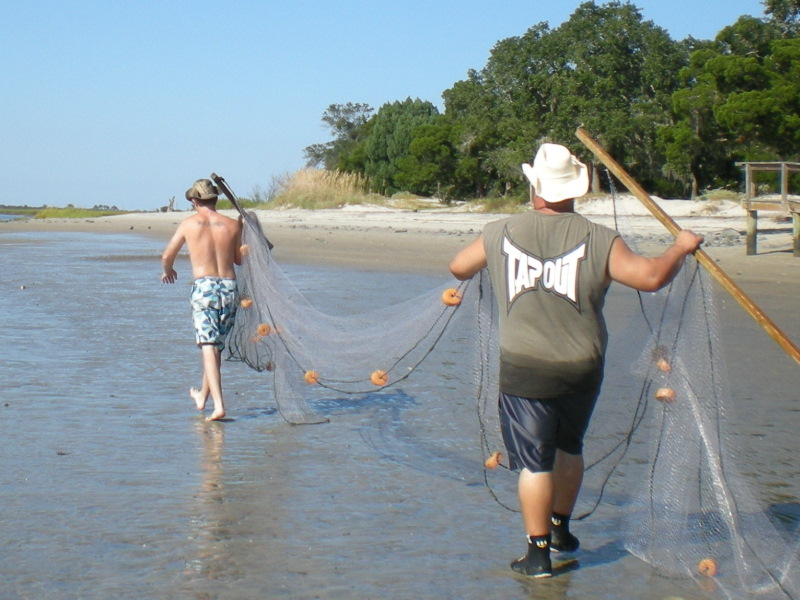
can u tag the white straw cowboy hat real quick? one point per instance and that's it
(202, 189)
(556, 175)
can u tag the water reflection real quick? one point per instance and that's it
(554, 588)
(385, 501)
(210, 523)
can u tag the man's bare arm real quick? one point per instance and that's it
(650, 274)
(469, 261)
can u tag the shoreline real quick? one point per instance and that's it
(372, 237)
(425, 241)
(388, 240)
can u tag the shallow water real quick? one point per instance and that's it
(113, 487)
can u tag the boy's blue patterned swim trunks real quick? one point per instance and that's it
(214, 302)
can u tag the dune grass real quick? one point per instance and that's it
(245, 203)
(19, 210)
(318, 188)
(75, 213)
(723, 194)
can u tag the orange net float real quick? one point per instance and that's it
(264, 329)
(451, 297)
(311, 377)
(493, 461)
(707, 567)
(665, 395)
(246, 303)
(660, 356)
(379, 377)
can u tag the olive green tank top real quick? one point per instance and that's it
(549, 275)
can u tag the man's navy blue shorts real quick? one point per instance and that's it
(533, 429)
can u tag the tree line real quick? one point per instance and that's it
(677, 114)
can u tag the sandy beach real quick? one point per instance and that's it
(386, 239)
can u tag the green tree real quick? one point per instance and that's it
(474, 112)
(677, 114)
(605, 68)
(390, 138)
(430, 164)
(620, 87)
(501, 108)
(748, 36)
(785, 14)
(739, 101)
(766, 111)
(347, 126)
(691, 144)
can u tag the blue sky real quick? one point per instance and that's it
(126, 103)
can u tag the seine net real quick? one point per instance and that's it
(691, 512)
(277, 329)
(683, 507)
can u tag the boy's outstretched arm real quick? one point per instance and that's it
(170, 254)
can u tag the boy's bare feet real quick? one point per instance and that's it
(216, 415)
(199, 398)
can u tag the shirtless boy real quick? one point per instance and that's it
(213, 241)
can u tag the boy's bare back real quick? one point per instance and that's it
(213, 241)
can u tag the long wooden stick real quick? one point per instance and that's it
(751, 307)
(252, 220)
(223, 185)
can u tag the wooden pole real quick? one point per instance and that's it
(223, 186)
(633, 186)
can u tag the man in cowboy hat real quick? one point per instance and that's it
(550, 269)
(214, 242)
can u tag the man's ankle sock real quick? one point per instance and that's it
(562, 540)
(536, 563)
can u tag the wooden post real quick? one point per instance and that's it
(796, 232)
(784, 185)
(751, 235)
(752, 231)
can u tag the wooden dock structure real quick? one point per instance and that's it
(784, 204)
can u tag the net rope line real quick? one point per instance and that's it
(485, 391)
(711, 435)
(431, 331)
(714, 455)
(688, 504)
(647, 384)
(261, 277)
(445, 314)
